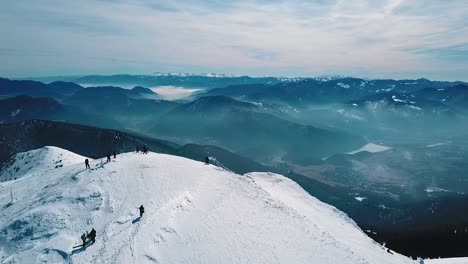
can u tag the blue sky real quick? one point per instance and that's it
(362, 38)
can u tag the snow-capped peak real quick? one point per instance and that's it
(37, 162)
(181, 74)
(194, 213)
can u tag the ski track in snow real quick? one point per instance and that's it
(194, 213)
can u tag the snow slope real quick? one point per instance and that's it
(195, 213)
(372, 148)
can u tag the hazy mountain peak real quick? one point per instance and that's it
(216, 102)
(142, 90)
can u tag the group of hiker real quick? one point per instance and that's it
(108, 159)
(89, 236)
(144, 149)
(109, 156)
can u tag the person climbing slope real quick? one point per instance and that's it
(108, 157)
(142, 210)
(87, 164)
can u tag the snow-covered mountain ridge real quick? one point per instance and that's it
(195, 213)
(26, 163)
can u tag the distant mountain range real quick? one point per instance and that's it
(315, 91)
(455, 96)
(56, 89)
(407, 105)
(205, 81)
(267, 90)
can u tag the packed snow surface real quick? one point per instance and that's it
(372, 148)
(194, 213)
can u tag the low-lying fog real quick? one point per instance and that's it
(174, 92)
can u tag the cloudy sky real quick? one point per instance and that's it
(362, 38)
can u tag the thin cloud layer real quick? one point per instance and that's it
(368, 38)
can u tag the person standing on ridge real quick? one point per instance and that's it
(83, 238)
(108, 157)
(92, 235)
(115, 155)
(142, 210)
(86, 162)
(207, 160)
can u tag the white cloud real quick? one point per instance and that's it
(391, 5)
(372, 38)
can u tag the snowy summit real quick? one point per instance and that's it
(194, 213)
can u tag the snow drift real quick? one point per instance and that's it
(195, 213)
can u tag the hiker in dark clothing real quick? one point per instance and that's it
(137, 149)
(207, 160)
(108, 157)
(83, 238)
(115, 155)
(142, 210)
(92, 235)
(86, 162)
